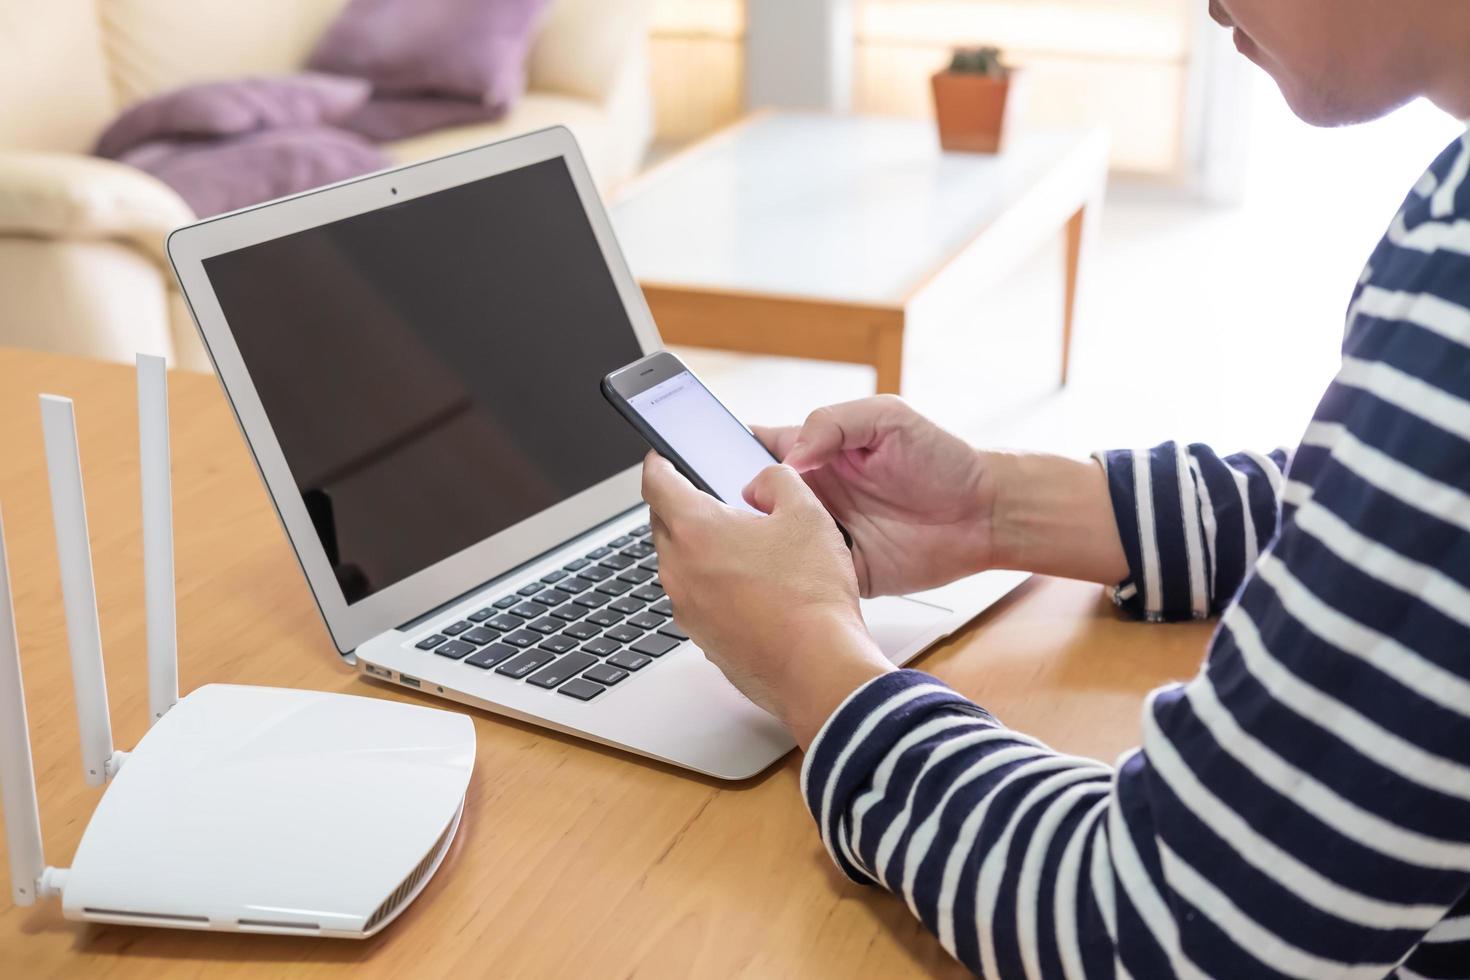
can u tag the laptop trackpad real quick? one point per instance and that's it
(897, 623)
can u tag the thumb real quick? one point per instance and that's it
(778, 488)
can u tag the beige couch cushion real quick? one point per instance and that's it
(583, 44)
(54, 93)
(156, 45)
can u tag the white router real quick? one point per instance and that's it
(247, 809)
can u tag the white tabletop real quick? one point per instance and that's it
(849, 208)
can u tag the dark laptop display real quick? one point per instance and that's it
(431, 369)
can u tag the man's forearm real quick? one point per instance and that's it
(1053, 516)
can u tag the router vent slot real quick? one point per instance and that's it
(406, 888)
(273, 924)
(148, 916)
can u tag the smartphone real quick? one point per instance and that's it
(687, 425)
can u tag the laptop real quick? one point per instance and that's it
(414, 358)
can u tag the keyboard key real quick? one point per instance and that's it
(555, 575)
(480, 615)
(575, 585)
(580, 689)
(663, 606)
(673, 629)
(576, 564)
(638, 549)
(597, 553)
(492, 656)
(617, 562)
(649, 593)
(615, 587)
(507, 601)
(596, 573)
(528, 590)
(637, 575)
(642, 530)
(647, 621)
(522, 638)
(430, 642)
(554, 597)
(605, 617)
(454, 629)
(601, 646)
(525, 663)
(454, 649)
(603, 674)
(654, 646)
(557, 644)
(621, 541)
(628, 660)
(627, 605)
(581, 631)
(569, 612)
(649, 563)
(592, 600)
(481, 636)
(505, 622)
(624, 633)
(531, 610)
(546, 625)
(561, 669)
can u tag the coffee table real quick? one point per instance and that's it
(822, 236)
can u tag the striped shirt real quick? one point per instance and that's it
(1302, 807)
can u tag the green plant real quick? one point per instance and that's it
(978, 61)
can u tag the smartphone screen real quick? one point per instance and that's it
(710, 440)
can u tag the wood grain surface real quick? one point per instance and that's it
(573, 860)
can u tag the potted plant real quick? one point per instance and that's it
(973, 101)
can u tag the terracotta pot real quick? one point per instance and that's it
(974, 111)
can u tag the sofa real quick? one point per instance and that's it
(82, 263)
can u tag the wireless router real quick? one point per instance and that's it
(247, 809)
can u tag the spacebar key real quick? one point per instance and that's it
(561, 669)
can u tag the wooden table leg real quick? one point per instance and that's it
(888, 356)
(1076, 241)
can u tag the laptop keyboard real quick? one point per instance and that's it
(585, 627)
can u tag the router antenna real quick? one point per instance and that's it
(158, 534)
(74, 552)
(17, 774)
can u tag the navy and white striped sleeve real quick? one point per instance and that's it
(1192, 522)
(1301, 808)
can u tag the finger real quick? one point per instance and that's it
(842, 428)
(665, 490)
(778, 488)
(777, 438)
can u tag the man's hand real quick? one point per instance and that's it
(918, 501)
(771, 598)
(925, 509)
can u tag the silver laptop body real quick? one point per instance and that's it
(413, 358)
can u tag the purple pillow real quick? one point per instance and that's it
(471, 49)
(217, 175)
(240, 106)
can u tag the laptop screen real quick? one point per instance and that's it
(431, 368)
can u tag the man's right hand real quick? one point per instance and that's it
(917, 500)
(924, 508)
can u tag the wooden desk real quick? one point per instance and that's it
(573, 859)
(829, 236)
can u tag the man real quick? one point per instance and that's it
(1302, 808)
